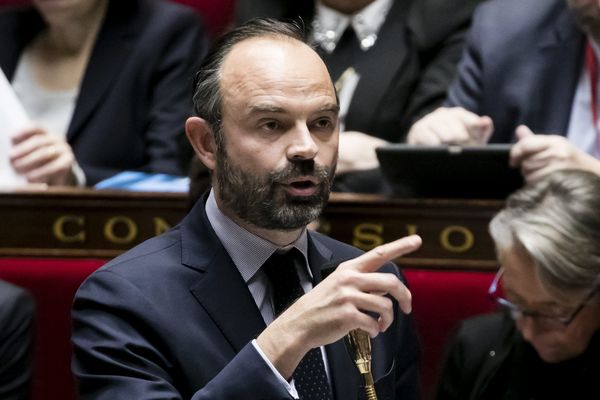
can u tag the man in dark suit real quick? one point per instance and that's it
(200, 312)
(524, 71)
(17, 311)
(392, 62)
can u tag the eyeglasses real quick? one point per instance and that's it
(544, 320)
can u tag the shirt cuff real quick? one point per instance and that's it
(289, 386)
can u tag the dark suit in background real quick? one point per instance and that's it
(405, 74)
(16, 342)
(135, 92)
(174, 319)
(522, 62)
(489, 360)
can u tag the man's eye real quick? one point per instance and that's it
(323, 123)
(272, 125)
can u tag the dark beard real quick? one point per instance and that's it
(261, 201)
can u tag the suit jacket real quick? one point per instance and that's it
(174, 319)
(405, 74)
(490, 360)
(136, 90)
(16, 342)
(521, 65)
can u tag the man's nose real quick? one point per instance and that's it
(302, 144)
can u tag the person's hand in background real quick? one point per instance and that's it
(42, 157)
(539, 155)
(453, 125)
(357, 152)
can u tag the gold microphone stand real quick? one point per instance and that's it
(359, 343)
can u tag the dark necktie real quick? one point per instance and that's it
(346, 54)
(309, 377)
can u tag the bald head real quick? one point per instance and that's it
(262, 71)
(207, 96)
(273, 54)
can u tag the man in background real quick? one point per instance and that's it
(529, 68)
(16, 342)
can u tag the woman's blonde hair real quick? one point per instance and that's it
(556, 221)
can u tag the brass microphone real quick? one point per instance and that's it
(359, 343)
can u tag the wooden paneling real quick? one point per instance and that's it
(83, 222)
(88, 223)
(454, 232)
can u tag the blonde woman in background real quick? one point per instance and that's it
(546, 345)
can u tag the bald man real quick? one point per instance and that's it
(233, 303)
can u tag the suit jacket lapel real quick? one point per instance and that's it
(114, 44)
(224, 295)
(377, 76)
(220, 290)
(319, 258)
(561, 57)
(503, 349)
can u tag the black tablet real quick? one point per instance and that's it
(449, 171)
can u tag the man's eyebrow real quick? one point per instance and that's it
(270, 108)
(265, 108)
(334, 108)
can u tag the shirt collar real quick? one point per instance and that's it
(329, 25)
(248, 251)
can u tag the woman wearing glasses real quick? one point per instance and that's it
(546, 343)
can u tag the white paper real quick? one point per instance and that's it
(12, 120)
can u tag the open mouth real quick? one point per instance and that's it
(302, 186)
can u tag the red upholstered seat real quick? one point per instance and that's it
(53, 283)
(13, 2)
(440, 300)
(216, 14)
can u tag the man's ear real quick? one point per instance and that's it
(201, 137)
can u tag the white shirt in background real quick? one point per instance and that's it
(52, 110)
